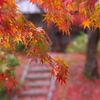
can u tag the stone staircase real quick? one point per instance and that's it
(38, 84)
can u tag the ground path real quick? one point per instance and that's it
(38, 83)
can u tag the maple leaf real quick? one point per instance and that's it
(36, 1)
(86, 23)
(18, 39)
(6, 45)
(67, 2)
(33, 1)
(2, 76)
(10, 83)
(91, 3)
(61, 70)
(64, 27)
(39, 29)
(2, 2)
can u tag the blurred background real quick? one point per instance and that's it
(73, 49)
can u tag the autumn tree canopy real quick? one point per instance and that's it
(61, 12)
(14, 28)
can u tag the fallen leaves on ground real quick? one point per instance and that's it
(78, 87)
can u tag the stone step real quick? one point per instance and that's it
(32, 99)
(39, 76)
(35, 92)
(40, 69)
(37, 83)
(38, 63)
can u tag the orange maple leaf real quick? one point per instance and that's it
(2, 2)
(86, 23)
(36, 1)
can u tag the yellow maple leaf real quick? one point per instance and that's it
(86, 23)
(6, 45)
(17, 39)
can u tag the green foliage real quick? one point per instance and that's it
(3, 90)
(13, 62)
(78, 45)
(20, 47)
(3, 93)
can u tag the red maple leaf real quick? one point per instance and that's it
(67, 2)
(2, 2)
(10, 83)
(91, 3)
(2, 77)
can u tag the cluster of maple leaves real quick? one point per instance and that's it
(6, 78)
(14, 28)
(78, 86)
(61, 12)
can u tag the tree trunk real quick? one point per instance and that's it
(91, 67)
